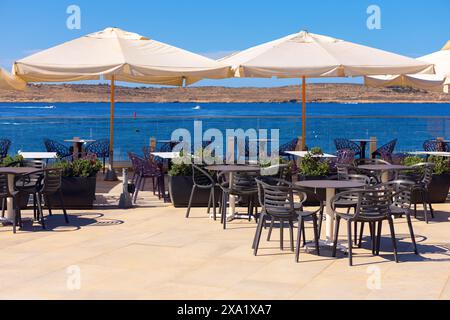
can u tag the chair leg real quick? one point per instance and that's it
(299, 239)
(411, 232)
(49, 206)
(394, 240)
(272, 225)
(40, 211)
(214, 204)
(350, 243)
(304, 233)
(425, 210)
(320, 221)
(291, 235)
(224, 211)
(136, 191)
(379, 231)
(208, 211)
(415, 210)
(281, 234)
(191, 198)
(336, 235)
(355, 231)
(61, 201)
(316, 234)
(374, 237)
(361, 233)
(258, 236)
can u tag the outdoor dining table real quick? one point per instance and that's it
(384, 169)
(302, 154)
(11, 174)
(363, 144)
(430, 153)
(166, 155)
(230, 169)
(39, 155)
(330, 186)
(78, 145)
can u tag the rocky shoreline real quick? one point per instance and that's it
(325, 93)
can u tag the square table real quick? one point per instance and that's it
(39, 155)
(302, 154)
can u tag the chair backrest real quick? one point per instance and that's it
(278, 199)
(345, 144)
(4, 191)
(37, 164)
(370, 203)
(386, 151)
(100, 148)
(368, 181)
(136, 162)
(52, 181)
(345, 156)
(435, 146)
(201, 177)
(61, 150)
(402, 192)
(4, 147)
(290, 146)
(244, 182)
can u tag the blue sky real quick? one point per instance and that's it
(215, 28)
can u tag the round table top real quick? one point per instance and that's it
(364, 140)
(329, 184)
(79, 141)
(16, 171)
(233, 168)
(383, 167)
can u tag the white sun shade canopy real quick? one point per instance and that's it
(126, 56)
(436, 82)
(312, 55)
(9, 82)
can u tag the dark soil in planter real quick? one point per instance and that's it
(180, 188)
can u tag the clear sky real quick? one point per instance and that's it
(216, 28)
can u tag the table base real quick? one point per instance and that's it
(325, 244)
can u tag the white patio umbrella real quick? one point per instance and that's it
(438, 82)
(10, 82)
(119, 55)
(306, 55)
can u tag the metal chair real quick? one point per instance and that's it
(290, 146)
(345, 144)
(144, 170)
(435, 146)
(386, 151)
(422, 176)
(373, 206)
(6, 193)
(203, 180)
(244, 186)
(61, 150)
(100, 148)
(4, 147)
(400, 206)
(277, 199)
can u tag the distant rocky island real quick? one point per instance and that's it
(326, 93)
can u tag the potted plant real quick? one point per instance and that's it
(79, 180)
(9, 161)
(440, 183)
(181, 183)
(314, 167)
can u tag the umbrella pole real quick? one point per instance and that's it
(111, 174)
(303, 113)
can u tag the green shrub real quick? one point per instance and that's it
(441, 164)
(314, 166)
(8, 161)
(79, 168)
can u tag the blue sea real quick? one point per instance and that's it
(27, 124)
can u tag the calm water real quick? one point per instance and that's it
(27, 124)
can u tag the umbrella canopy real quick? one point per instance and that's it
(126, 56)
(115, 54)
(312, 55)
(9, 82)
(437, 82)
(308, 55)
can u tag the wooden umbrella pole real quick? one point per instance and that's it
(111, 125)
(303, 113)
